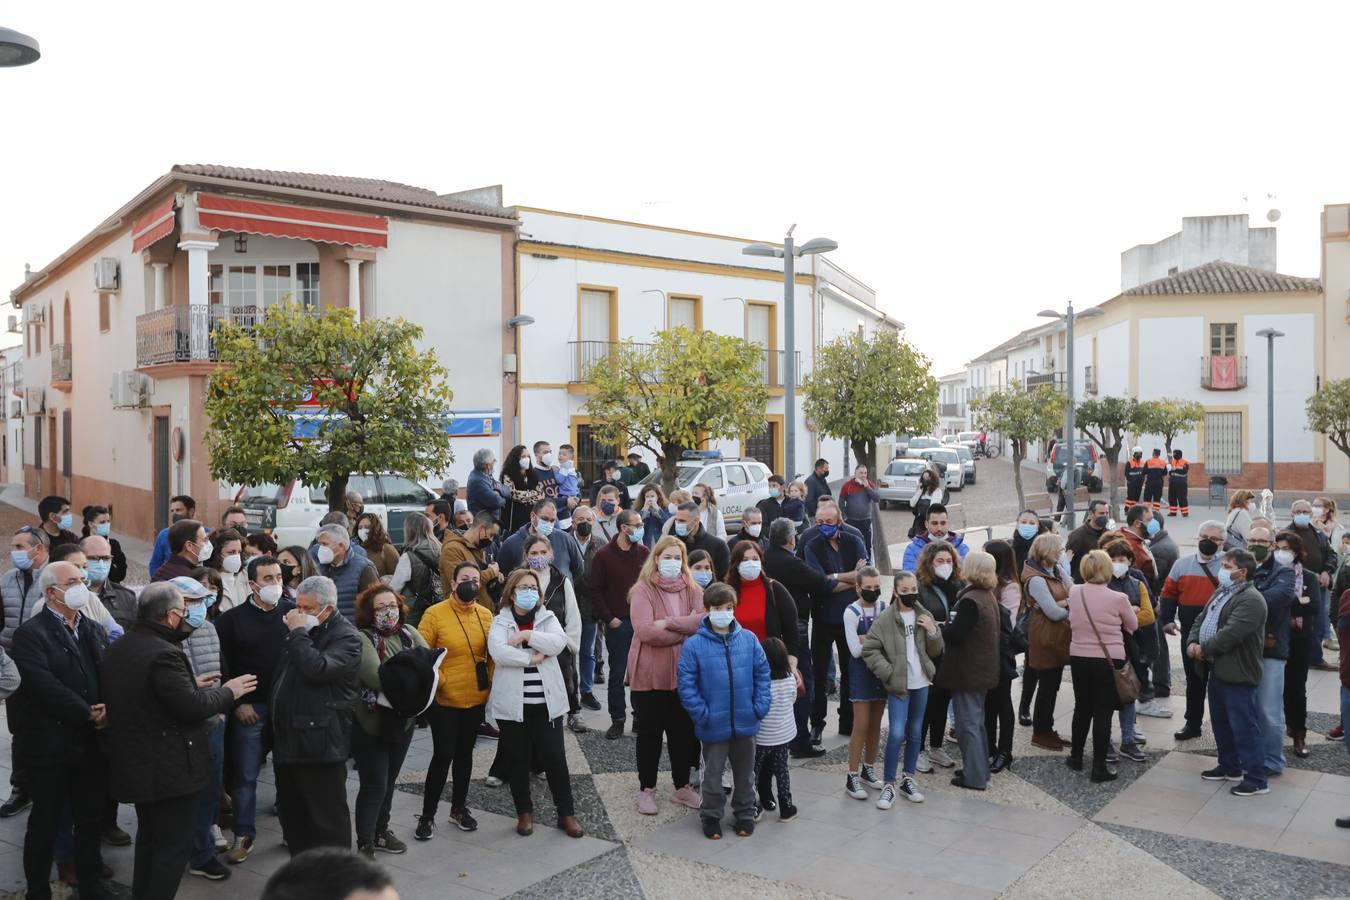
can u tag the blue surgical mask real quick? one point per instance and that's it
(721, 618)
(102, 529)
(669, 568)
(829, 531)
(1302, 520)
(681, 529)
(526, 599)
(1026, 531)
(544, 527)
(607, 507)
(1225, 577)
(1154, 526)
(67, 521)
(98, 571)
(775, 493)
(637, 535)
(20, 559)
(196, 615)
(703, 577)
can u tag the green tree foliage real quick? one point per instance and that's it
(678, 393)
(1169, 418)
(863, 389)
(1107, 420)
(1329, 413)
(378, 404)
(1023, 417)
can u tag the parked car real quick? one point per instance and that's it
(290, 513)
(969, 439)
(1086, 458)
(967, 461)
(900, 480)
(737, 482)
(949, 462)
(919, 444)
(901, 444)
(949, 440)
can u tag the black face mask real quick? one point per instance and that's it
(178, 517)
(905, 600)
(1207, 547)
(484, 543)
(287, 573)
(1101, 522)
(583, 529)
(870, 595)
(467, 591)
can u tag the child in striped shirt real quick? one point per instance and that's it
(775, 733)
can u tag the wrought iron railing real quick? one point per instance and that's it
(1223, 373)
(586, 354)
(185, 333)
(61, 367)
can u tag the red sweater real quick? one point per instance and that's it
(750, 608)
(613, 574)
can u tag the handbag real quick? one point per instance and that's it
(1127, 682)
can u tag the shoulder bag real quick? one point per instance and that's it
(1127, 682)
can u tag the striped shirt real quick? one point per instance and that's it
(534, 682)
(779, 727)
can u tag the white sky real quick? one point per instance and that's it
(976, 161)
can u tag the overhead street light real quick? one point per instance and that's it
(1071, 464)
(788, 254)
(1270, 334)
(17, 49)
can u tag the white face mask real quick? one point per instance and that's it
(1284, 557)
(363, 533)
(270, 594)
(76, 597)
(1251, 506)
(232, 563)
(326, 555)
(943, 571)
(205, 553)
(1119, 569)
(524, 463)
(753, 530)
(548, 460)
(1319, 511)
(311, 622)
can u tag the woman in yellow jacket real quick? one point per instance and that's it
(460, 625)
(1141, 648)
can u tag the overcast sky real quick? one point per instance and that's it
(976, 162)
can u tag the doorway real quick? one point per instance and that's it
(160, 475)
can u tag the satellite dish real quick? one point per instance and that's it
(1273, 216)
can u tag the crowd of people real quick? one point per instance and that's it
(505, 611)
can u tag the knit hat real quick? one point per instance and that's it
(408, 680)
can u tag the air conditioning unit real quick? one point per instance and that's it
(35, 400)
(107, 273)
(15, 408)
(129, 390)
(13, 325)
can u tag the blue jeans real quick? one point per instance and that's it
(618, 640)
(1270, 696)
(246, 745)
(587, 654)
(208, 801)
(905, 716)
(801, 707)
(1236, 717)
(1128, 716)
(1321, 622)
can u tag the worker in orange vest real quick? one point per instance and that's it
(1178, 488)
(1134, 477)
(1155, 472)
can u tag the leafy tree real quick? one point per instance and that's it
(363, 398)
(1023, 417)
(863, 389)
(1169, 418)
(1106, 421)
(682, 391)
(1329, 413)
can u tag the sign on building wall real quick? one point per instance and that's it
(470, 423)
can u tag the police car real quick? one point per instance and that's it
(737, 482)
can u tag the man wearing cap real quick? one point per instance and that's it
(1134, 476)
(610, 478)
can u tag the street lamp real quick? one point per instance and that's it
(17, 49)
(1270, 334)
(1071, 464)
(788, 254)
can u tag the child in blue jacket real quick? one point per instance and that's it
(724, 686)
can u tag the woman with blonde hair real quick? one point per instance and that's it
(1045, 590)
(666, 606)
(1241, 508)
(970, 665)
(939, 574)
(1098, 618)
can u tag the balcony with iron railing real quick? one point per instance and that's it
(185, 334)
(1223, 373)
(61, 366)
(11, 379)
(586, 354)
(951, 410)
(1056, 380)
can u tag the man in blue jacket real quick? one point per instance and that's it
(543, 521)
(837, 554)
(937, 531)
(484, 492)
(180, 507)
(1276, 584)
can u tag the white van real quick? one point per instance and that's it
(290, 513)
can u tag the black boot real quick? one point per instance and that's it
(1000, 762)
(1074, 762)
(1101, 773)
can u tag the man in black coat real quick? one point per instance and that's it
(689, 528)
(58, 652)
(311, 713)
(159, 717)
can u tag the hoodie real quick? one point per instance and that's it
(923, 540)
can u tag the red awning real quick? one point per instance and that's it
(324, 225)
(156, 224)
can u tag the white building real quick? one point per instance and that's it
(953, 408)
(1201, 239)
(589, 283)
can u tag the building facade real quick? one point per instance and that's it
(953, 405)
(117, 347)
(1335, 343)
(1201, 239)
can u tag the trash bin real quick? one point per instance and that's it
(1218, 491)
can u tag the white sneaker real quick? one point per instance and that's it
(870, 778)
(909, 790)
(492, 781)
(887, 798)
(218, 839)
(1154, 709)
(939, 757)
(923, 764)
(853, 786)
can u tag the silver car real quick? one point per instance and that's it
(917, 445)
(967, 462)
(953, 473)
(900, 480)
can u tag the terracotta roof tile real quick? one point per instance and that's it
(1225, 278)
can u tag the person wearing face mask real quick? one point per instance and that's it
(252, 639)
(296, 565)
(311, 719)
(610, 477)
(817, 486)
(567, 477)
(653, 506)
(1141, 525)
(709, 515)
(59, 707)
(351, 573)
(607, 505)
(1045, 585)
(558, 596)
(1028, 526)
(459, 625)
(1088, 536)
(528, 698)
(771, 507)
(381, 737)
(1140, 647)
(688, 526)
(589, 541)
(56, 521)
(20, 594)
(866, 691)
(1187, 589)
(1275, 579)
(518, 475)
(473, 546)
(190, 547)
(483, 492)
(94, 609)
(120, 601)
(1135, 470)
(380, 550)
(751, 530)
(667, 607)
(544, 522)
(1289, 550)
(545, 470)
(764, 607)
(938, 531)
(1227, 639)
(180, 507)
(614, 571)
(158, 710)
(837, 553)
(1320, 559)
(98, 521)
(227, 559)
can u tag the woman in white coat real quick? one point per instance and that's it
(529, 698)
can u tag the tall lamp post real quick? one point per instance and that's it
(788, 254)
(17, 49)
(1270, 334)
(1070, 487)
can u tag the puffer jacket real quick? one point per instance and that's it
(352, 576)
(311, 709)
(506, 703)
(886, 649)
(18, 605)
(724, 683)
(203, 650)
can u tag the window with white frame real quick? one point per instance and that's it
(263, 285)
